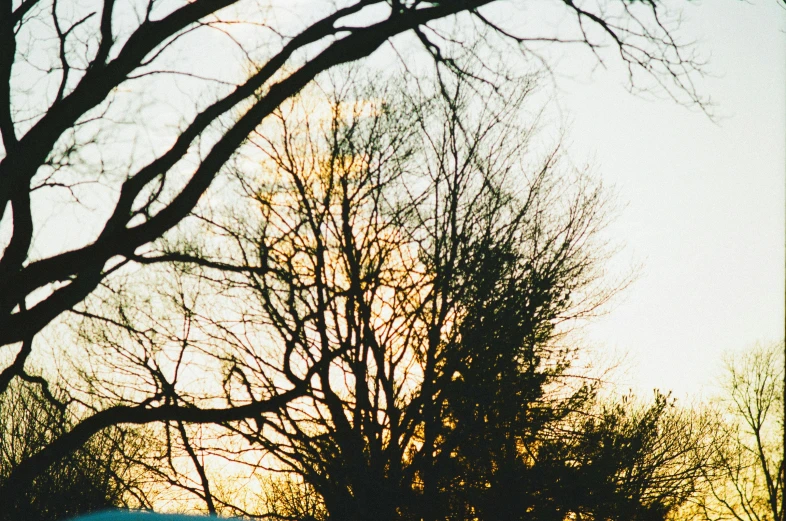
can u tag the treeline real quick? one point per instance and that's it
(375, 310)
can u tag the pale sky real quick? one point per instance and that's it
(705, 201)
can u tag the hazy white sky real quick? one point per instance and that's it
(705, 200)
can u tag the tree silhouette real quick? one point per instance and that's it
(95, 477)
(748, 457)
(400, 238)
(71, 77)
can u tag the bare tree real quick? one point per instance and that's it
(288, 498)
(96, 477)
(82, 132)
(749, 450)
(405, 240)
